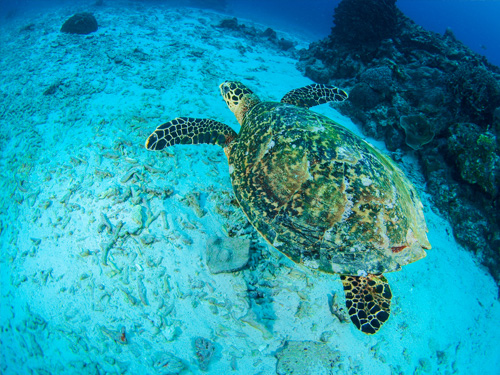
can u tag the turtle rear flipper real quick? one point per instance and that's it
(314, 94)
(190, 131)
(368, 301)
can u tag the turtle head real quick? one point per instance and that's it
(238, 98)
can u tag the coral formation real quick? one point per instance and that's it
(418, 130)
(167, 364)
(427, 92)
(80, 23)
(204, 350)
(379, 79)
(476, 156)
(476, 93)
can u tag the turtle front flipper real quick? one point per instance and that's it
(315, 94)
(190, 131)
(368, 301)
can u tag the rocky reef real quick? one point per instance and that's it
(252, 33)
(426, 94)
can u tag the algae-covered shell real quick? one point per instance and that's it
(322, 195)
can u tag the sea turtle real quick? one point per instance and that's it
(315, 191)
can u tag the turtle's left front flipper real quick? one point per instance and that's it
(368, 301)
(314, 94)
(190, 131)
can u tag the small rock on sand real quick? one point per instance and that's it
(227, 254)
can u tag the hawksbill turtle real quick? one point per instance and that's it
(315, 191)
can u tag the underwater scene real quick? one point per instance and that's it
(249, 187)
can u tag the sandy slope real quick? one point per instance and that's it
(75, 157)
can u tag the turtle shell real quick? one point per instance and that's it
(322, 196)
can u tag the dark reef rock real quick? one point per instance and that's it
(52, 89)
(424, 93)
(285, 44)
(251, 32)
(379, 79)
(28, 28)
(80, 23)
(229, 23)
(270, 34)
(364, 97)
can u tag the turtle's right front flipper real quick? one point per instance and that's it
(190, 131)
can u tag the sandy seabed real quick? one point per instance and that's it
(104, 244)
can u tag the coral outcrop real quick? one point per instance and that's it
(80, 23)
(418, 130)
(253, 33)
(425, 93)
(204, 350)
(475, 153)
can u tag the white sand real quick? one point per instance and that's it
(63, 159)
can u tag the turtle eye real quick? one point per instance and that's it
(225, 90)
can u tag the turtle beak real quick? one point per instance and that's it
(152, 139)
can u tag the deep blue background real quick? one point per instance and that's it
(475, 22)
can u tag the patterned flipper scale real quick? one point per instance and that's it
(314, 94)
(190, 131)
(368, 301)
